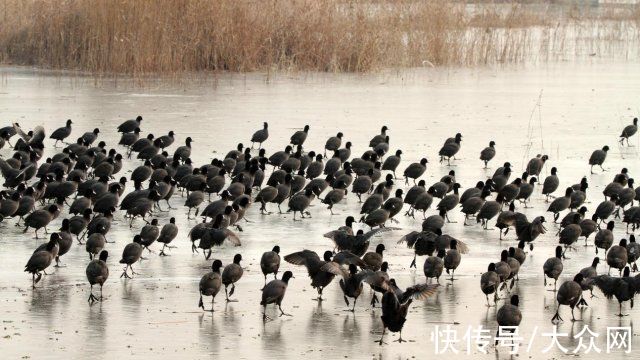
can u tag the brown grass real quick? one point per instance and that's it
(176, 36)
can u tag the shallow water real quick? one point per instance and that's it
(582, 107)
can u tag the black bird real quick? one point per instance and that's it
(379, 138)
(550, 184)
(128, 139)
(261, 135)
(509, 314)
(629, 131)
(450, 149)
(452, 259)
(40, 219)
(351, 282)
(569, 294)
(97, 273)
(535, 165)
(319, 278)
(270, 263)
(617, 256)
(62, 133)
(598, 157)
(488, 153)
(552, 268)
(184, 152)
(489, 282)
(434, 265)
(130, 125)
(588, 274)
(231, 274)
(633, 252)
(168, 232)
(300, 202)
(395, 305)
(374, 260)
(90, 137)
(560, 204)
(273, 293)
(623, 288)
(333, 143)
(130, 255)
(40, 260)
(449, 202)
(604, 237)
(210, 284)
(299, 137)
(415, 170)
(391, 162)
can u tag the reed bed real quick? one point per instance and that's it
(178, 36)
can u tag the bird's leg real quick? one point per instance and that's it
(582, 302)
(621, 314)
(169, 205)
(58, 262)
(413, 263)
(382, 337)
(319, 298)
(282, 313)
(213, 300)
(557, 317)
(133, 272)
(162, 253)
(124, 273)
(603, 170)
(345, 299)
(452, 272)
(573, 318)
(400, 338)
(374, 300)
(92, 298)
(353, 309)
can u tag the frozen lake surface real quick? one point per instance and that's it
(583, 107)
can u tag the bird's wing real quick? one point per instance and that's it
(367, 276)
(331, 234)
(463, 248)
(335, 268)
(232, 237)
(21, 133)
(38, 135)
(351, 258)
(369, 234)
(420, 291)
(636, 280)
(302, 257)
(409, 239)
(25, 169)
(606, 284)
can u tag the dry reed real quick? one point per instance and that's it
(176, 36)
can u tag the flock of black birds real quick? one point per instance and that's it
(80, 179)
